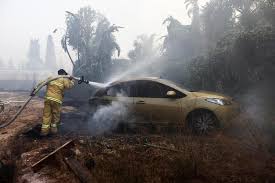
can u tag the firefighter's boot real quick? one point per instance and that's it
(54, 129)
(44, 131)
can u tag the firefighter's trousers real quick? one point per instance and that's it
(51, 116)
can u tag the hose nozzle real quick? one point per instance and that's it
(82, 80)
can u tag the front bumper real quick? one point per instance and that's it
(226, 113)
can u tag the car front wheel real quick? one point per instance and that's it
(202, 122)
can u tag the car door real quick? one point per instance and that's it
(152, 102)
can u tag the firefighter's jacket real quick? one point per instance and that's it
(55, 89)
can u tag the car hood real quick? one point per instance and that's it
(209, 94)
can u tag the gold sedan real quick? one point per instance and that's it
(160, 100)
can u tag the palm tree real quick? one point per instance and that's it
(193, 10)
(90, 34)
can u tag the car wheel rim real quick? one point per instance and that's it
(204, 123)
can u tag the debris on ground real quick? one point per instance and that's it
(37, 165)
(127, 157)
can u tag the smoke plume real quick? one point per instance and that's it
(107, 118)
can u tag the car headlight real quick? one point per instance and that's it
(219, 101)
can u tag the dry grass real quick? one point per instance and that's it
(124, 158)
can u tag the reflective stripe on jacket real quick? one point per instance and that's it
(55, 89)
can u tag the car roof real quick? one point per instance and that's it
(155, 79)
(135, 79)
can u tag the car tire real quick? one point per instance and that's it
(202, 122)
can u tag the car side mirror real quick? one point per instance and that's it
(171, 94)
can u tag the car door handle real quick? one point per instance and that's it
(140, 102)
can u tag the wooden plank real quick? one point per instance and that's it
(38, 164)
(79, 170)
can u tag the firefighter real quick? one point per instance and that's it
(53, 103)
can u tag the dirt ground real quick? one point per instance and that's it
(120, 156)
(30, 115)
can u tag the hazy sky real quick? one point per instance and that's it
(22, 20)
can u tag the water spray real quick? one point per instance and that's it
(91, 83)
(136, 68)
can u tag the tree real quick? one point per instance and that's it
(266, 10)
(245, 12)
(34, 59)
(184, 41)
(90, 34)
(144, 48)
(50, 60)
(216, 20)
(240, 35)
(179, 43)
(193, 11)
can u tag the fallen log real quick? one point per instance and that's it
(79, 170)
(36, 166)
(162, 147)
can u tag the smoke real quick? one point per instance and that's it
(258, 102)
(107, 118)
(255, 126)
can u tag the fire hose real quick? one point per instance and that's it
(33, 93)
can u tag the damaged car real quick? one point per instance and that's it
(159, 100)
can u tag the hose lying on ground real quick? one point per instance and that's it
(34, 92)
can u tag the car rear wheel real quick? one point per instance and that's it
(203, 122)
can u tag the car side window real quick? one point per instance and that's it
(141, 89)
(129, 88)
(115, 91)
(150, 89)
(164, 89)
(121, 90)
(154, 90)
